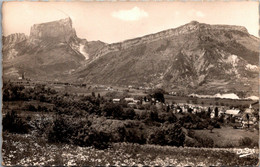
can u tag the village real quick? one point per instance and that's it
(243, 118)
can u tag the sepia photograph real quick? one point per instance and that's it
(130, 83)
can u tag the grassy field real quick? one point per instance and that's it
(207, 101)
(25, 150)
(227, 136)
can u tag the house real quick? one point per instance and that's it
(249, 110)
(255, 105)
(129, 99)
(116, 100)
(233, 112)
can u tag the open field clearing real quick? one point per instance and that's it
(227, 136)
(25, 150)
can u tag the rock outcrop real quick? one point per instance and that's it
(9, 43)
(58, 31)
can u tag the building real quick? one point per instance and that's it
(129, 99)
(233, 112)
(255, 105)
(116, 100)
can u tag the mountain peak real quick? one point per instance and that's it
(194, 22)
(58, 31)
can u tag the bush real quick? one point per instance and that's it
(111, 109)
(246, 141)
(13, 123)
(167, 117)
(89, 137)
(128, 114)
(67, 130)
(134, 135)
(170, 134)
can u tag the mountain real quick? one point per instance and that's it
(52, 50)
(194, 58)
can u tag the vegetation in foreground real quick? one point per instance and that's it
(37, 151)
(51, 120)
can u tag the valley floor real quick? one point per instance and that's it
(25, 150)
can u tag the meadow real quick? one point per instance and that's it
(27, 150)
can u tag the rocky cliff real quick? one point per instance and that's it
(9, 44)
(58, 31)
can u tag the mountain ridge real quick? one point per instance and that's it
(188, 58)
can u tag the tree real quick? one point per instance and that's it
(216, 112)
(190, 110)
(93, 94)
(209, 112)
(168, 134)
(128, 114)
(154, 114)
(159, 95)
(114, 110)
(168, 108)
(247, 117)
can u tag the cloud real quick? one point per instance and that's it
(133, 14)
(196, 13)
(200, 14)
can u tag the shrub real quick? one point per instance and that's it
(128, 114)
(68, 130)
(168, 134)
(89, 137)
(61, 130)
(13, 123)
(111, 109)
(246, 141)
(164, 117)
(134, 135)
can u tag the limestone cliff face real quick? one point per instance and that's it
(9, 43)
(58, 31)
(13, 39)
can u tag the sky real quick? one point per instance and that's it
(117, 21)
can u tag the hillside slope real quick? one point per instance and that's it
(195, 57)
